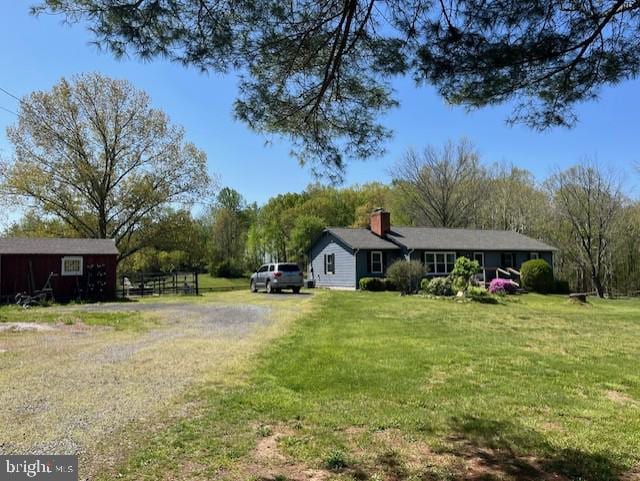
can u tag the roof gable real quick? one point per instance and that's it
(57, 246)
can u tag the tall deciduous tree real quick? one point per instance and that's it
(441, 187)
(95, 154)
(318, 71)
(589, 201)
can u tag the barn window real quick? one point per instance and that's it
(72, 266)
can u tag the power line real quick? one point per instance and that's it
(10, 94)
(10, 111)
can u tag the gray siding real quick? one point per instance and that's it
(345, 275)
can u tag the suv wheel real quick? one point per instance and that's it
(296, 290)
(269, 288)
(253, 286)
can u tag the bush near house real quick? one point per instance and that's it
(537, 276)
(439, 286)
(502, 286)
(463, 272)
(406, 276)
(372, 284)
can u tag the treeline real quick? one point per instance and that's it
(581, 210)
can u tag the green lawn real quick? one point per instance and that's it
(206, 281)
(397, 388)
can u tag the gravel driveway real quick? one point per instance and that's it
(65, 389)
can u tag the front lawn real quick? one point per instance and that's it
(205, 281)
(378, 386)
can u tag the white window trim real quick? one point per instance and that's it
(435, 263)
(64, 272)
(480, 254)
(535, 255)
(327, 270)
(381, 262)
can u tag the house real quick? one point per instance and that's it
(70, 268)
(340, 257)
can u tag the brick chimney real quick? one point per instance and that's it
(380, 222)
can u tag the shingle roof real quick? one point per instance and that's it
(465, 239)
(361, 238)
(440, 239)
(57, 246)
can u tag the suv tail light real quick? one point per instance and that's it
(277, 274)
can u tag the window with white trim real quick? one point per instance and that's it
(439, 262)
(535, 255)
(376, 262)
(329, 263)
(479, 256)
(71, 266)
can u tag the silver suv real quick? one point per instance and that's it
(278, 276)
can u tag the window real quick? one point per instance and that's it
(288, 268)
(507, 259)
(376, 262)
(439, 262)
(71, 266)
(535, 255)
(272, 268)
(263, 269)
(329, 263)
(479, 256)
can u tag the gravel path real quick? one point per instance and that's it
(67, 388)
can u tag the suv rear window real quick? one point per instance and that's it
(288, 267)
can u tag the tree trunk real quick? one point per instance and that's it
(597, 283)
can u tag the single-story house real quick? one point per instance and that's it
(341, 256)
(70, 268)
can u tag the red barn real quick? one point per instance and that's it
(71, 268)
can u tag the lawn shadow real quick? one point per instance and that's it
(494, 449)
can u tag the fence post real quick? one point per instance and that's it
(196, 276)
(123, 290)
(142, 284)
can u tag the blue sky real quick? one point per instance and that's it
(36, 52)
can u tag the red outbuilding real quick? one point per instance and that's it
(64, 268)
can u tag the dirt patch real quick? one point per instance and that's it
(24, 327)
(621, 398)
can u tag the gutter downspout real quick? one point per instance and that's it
(409, 252)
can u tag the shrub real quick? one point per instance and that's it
(372, 284)
(405, 275)
(560, 286)
(537, 276)
(389, 285)
(463, 272)
(228, 269)
(502, 286)
(480, 294)
(438, 286)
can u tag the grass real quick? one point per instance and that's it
(70, 316)
(391, 387)
(206, 281)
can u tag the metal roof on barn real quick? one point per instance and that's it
(56, 246)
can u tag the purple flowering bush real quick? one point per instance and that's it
(502, 286)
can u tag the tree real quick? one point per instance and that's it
(228, 224)
(441, 187)
(589, 201)
(94, 153)
(318, 71)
